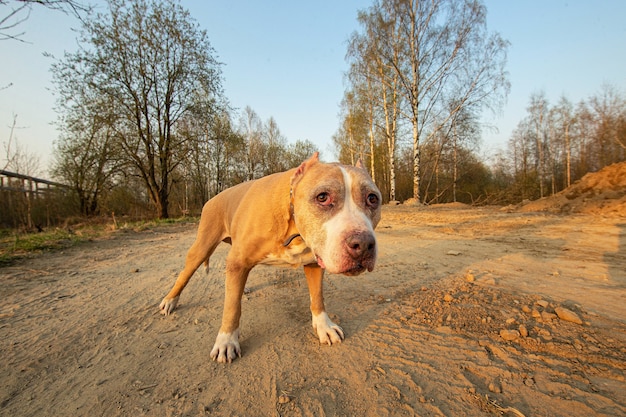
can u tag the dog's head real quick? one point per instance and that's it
(336, 208)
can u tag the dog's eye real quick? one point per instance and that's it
(372, 200)
(323, 199)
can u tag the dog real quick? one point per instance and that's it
(320, 216)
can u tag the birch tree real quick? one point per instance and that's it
(377, 84)
(564, 117)
(538, 113)
(442, 52)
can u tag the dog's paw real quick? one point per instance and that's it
(326, 330)
(226, 347)
(168, 305)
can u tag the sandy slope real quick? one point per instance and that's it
(602, 193)
(80, 333)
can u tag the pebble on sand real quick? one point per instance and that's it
(509, 334)
(546, 316)
(495, 387)
(567, 315)
(523, 331)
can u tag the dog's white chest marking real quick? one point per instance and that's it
(296, 254)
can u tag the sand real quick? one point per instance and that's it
(459, 318)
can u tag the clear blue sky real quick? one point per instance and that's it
(285, 59)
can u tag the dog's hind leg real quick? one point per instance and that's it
(201, 250)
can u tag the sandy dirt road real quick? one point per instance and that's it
(80, 332)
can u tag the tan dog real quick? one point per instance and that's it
(320, 216)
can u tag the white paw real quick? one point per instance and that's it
(226, 347)
(326, 330)
(168, 305)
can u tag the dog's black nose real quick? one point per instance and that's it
(361, 245)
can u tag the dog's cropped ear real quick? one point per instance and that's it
(304, 167)
(359, 164)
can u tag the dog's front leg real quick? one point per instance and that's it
(226, 347)
(327, 331)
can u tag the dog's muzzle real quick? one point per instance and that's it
(360, 248)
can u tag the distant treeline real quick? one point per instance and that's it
(553, 146)
(146, 130)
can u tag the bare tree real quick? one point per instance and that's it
(522, 154)
(154, 66)
(275, 148)
(225, 147)
(251, 128)
(465, 134)
(86, 156)
(584, 132)
(299, 151)
(353, 133)
(538, 111)
(8, 151)
(609, 108)
(564, 118)
(14, 13)
(18, 158)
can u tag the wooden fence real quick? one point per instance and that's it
(31, 203)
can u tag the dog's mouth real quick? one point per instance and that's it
(350, 270)
(355, 270)
(320, 262)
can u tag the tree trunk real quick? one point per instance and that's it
(371, 128)
(416, 162)
(455, 168)
(372, 157)
(162, 205)
(568, 154)
(392, 175)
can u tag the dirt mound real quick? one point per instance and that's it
(602, 192)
